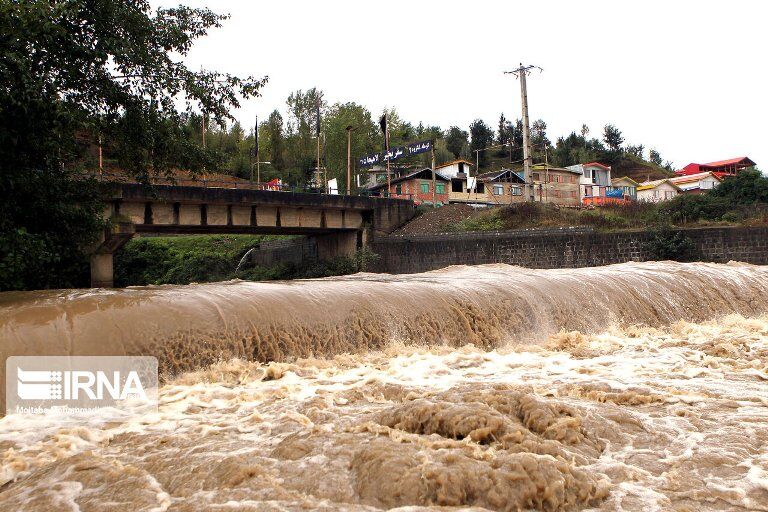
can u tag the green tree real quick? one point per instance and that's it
(655, 158)
(301, 131)
(457, 142)
(612, 137)
(364, 137)
(482, 136)
(275, 135)
(71, 72)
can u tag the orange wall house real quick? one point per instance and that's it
(418, 187)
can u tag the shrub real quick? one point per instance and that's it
(666, 244)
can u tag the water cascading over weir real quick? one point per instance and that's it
(191, 326)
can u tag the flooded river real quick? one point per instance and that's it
(629, 387)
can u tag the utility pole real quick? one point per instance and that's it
(522, 72)
(386, 154)
(101, 160)
(256, 149)
(203, 129)
(434, 180)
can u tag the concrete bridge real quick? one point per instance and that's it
(340, 224)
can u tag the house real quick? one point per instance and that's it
(696, 183)
(416, 186)
(377, 174)
(722, 168)
(557, 185)
(455, 168)
(657, 190)
(627, 186)
(491, 188)
(595, 180)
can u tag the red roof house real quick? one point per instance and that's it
(730, 167)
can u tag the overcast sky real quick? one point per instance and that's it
(688, 78)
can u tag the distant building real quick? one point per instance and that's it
(696, 183)
(490, 188)
(377, 174)
(595, 180)
(556, 185)
(657, 190)
(416, 186)
(722, 168)
(627, 186)
(455, 168)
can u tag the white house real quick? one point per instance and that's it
(696, 183)
(595, 179)
(657, 190)
(455, 168)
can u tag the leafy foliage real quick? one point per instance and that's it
(482, 136)
(74, 71)
(671, 245)
(198, 259)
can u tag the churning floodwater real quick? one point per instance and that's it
(641, 386)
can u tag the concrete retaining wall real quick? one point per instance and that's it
(557, 248)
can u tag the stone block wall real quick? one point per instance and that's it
(557, 248)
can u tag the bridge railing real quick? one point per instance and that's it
(238, 184)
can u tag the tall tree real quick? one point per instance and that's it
(364, 137)
(457, 142)
(276, 138)
(482, 136)
(612, 137)
(75, 71)
(302, 130)
(655, 158)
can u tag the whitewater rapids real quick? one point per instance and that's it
(629, 387)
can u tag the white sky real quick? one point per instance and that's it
(689, 78)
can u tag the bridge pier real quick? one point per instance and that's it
(333, 245)
(115, 235)
(102, 270)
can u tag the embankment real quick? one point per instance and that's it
(560, 248)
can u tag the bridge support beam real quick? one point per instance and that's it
(333, 245)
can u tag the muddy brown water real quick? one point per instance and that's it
(641, 386)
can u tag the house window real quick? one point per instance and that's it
(440, 188)
(498, 190)
(669, 195)
(425, 188)
(457, 186)
(573, 194)
(480, 187)
(516, 191)
(398, 189)
(588, 191)
(573, 179)
(536, 177)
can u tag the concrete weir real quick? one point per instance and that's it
(340, 224)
